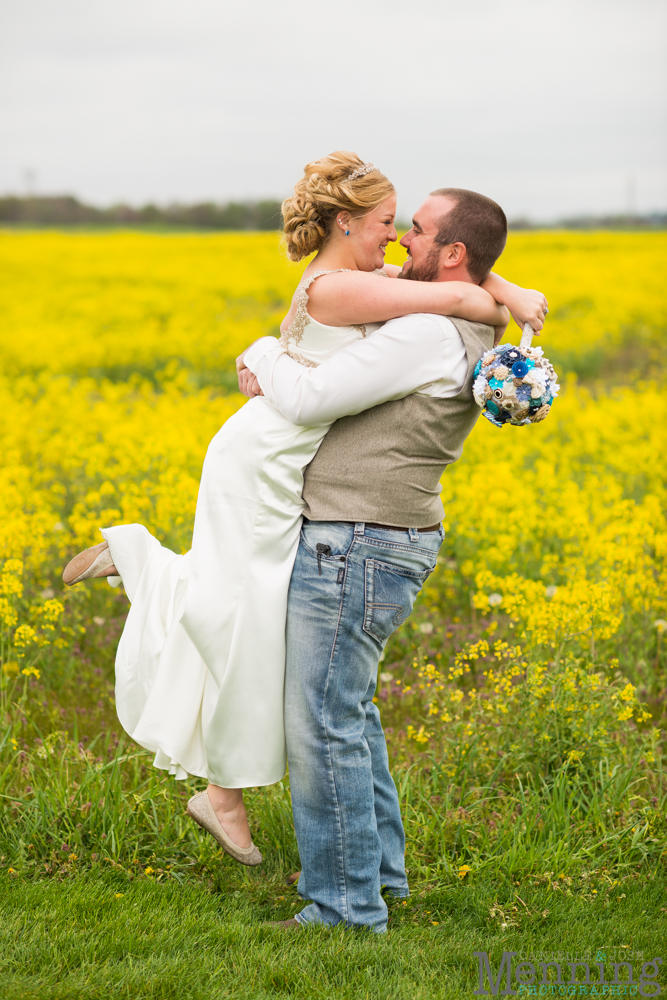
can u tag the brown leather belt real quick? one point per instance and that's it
(386, 527)
(394, 527)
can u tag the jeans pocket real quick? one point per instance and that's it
(390, 593)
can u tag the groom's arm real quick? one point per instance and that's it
(405, 355)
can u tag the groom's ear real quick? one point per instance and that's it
(453, 255)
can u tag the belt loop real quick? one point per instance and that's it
(360, 527)
(414, 534)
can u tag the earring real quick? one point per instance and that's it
(347, 232)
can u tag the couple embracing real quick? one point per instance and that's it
(318, 520)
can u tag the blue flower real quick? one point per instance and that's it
(519, 369)
(478, 368)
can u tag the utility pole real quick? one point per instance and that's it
(30, 181)
(631, 196)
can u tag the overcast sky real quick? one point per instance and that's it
(552, 107)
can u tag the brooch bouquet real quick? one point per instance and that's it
(515, 385)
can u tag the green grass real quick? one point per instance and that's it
(76, 937)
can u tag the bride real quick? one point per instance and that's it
(200, 664)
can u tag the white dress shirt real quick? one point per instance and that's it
(420, 353)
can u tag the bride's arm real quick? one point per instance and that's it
(355, 297)
(525, 304)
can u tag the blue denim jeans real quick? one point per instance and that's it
(345, 600)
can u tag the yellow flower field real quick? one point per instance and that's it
(580, 497)
(120, 303)
(117, 369)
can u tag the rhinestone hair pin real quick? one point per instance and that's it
(361, 171)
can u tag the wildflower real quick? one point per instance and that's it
(463, 870)
(31, 672)
(24, 636)
(119, 895)
(51, 612)
(495, 600)
(628, 693)
(660, 624)
(149, 871)
(98, 620)
(426, 628)
(419, 735)
(11, 667)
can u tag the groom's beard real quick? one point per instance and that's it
(428, 270)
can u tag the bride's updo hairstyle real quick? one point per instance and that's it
(325, 190)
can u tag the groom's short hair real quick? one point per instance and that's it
(477, 222)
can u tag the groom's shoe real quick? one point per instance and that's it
(286, 925)
(293, 879)
(92, 562)
(203, 813)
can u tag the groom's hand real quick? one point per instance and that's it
(248, 383)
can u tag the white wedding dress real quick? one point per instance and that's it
(201, 662)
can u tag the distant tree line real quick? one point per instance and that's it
(653, 220)
(66, 210)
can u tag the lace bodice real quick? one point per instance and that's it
(309, 342)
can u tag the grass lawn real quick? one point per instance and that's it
(98, 935)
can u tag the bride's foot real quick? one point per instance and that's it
(220, 806)
(229, 807)
(93, 562)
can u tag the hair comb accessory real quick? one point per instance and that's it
(515, 385)
(361, 172)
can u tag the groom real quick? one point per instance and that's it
(403, 405)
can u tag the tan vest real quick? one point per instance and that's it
(385, 464)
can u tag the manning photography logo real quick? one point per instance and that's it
(604, 973)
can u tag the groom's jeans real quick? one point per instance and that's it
(343, 605)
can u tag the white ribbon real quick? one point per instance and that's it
(527, 336)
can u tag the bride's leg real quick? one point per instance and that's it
(229, 807)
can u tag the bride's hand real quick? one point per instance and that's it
(527, 306)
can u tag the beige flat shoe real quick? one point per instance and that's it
(90, 563)
(203, 813)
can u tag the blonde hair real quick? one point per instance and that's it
(323, 191)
